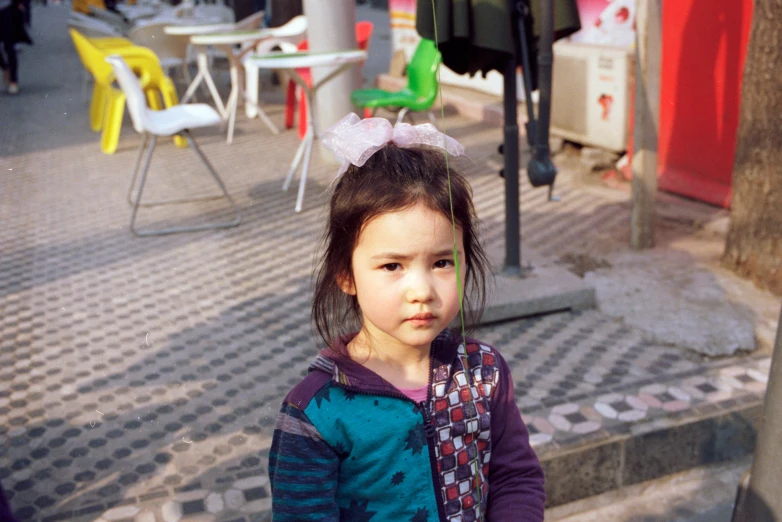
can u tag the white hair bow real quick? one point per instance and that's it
(354, 140)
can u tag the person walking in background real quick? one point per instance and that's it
(27, 13)
(12, 31)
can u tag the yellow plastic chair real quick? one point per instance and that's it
(108, 105)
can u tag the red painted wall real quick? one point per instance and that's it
(704, 46)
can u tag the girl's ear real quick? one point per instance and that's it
(345, 283)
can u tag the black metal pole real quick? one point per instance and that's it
(511, 153)
(522, 49)
(762, 501)
(541, 170)
(545, 72)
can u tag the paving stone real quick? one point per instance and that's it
(121, 513)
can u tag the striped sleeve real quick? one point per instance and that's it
(303, 470)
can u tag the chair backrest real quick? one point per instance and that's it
(268, 45)
(422, 71)
(364, 30)
(296, 26)
(91, 57)
(251, 23)
(165, 46)
(285, 37)
(134, 95)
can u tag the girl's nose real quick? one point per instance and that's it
(420, 290)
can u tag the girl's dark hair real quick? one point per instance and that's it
(391, 180)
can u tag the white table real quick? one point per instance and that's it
(203, 74)
(225, 41)
(289, 62)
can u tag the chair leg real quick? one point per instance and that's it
(137, 203)
(98, 106)
(112, 123)
(153, 99)
(131, 200)
(401, 116)
(290, 104)
(303, 115)
(147, 161)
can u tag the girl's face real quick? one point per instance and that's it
(405, 277)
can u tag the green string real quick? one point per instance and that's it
(457, 264)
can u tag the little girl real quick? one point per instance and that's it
(401, 418)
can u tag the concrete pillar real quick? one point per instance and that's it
(332, 27)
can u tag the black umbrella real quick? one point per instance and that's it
(484, 35)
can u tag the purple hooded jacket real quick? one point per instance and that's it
(469, 418)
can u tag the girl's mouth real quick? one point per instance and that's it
(421, 319)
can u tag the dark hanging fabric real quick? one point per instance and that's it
(280, 12)
(476, 35)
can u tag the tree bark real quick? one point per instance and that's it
(754, 244)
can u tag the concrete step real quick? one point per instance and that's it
(704, 494)
(649, 452)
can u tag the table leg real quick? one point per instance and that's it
(249, 99)
(233, 101)
(309, 139)
(191, 89)
(205, 76)
(237, 92)
(295, 163)
(251, 80)
(305, 148)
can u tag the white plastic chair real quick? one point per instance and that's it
(286, 37)
(168, 122)
(251, 23)
(172, 51)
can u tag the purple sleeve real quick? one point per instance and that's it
(515, 477)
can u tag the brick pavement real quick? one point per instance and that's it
(140, 378)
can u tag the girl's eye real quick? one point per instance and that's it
(443, 263)
(390, 267)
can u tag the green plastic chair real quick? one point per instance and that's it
(420, 93)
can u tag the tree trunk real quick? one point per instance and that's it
(754, 245)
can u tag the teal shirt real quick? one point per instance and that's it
(384, 451)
